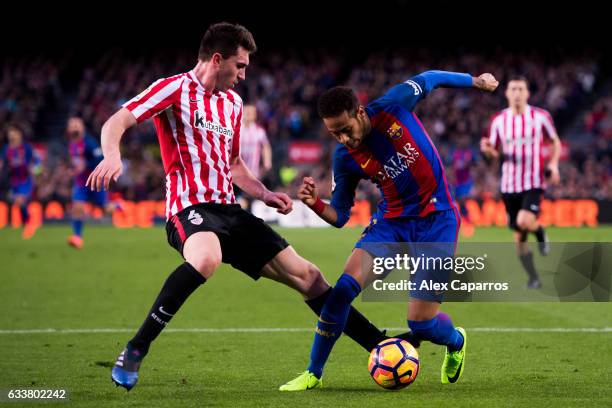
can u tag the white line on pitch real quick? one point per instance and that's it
(302, 329)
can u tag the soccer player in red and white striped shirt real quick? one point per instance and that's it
(518, 133)
(254, 147)
(198, 120)
(254, 144)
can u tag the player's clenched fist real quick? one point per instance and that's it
(485, 145)
(308, 191)
(486, 82)
(109, 168)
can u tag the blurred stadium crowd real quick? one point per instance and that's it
(40, 94)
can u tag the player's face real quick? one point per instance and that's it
(348, 130)
(250, 114)
(75, 128)
(14, 137)
(232, 70)
(517, 93)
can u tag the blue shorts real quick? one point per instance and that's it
(463, 190)
(23, 189)
(434, 236)
(82, 193)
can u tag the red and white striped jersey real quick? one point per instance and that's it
(199, 134)
(252, 141)
(521, 137)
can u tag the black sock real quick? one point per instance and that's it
(358, 327)
(539, 233)
(527, 262)
(180, 284)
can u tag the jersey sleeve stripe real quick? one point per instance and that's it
(153, 100)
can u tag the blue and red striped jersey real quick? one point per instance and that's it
(462, 160)
(85, 154)
(19, 161)
(398, 154)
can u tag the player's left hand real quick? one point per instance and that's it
(281, 201)
(109, 168)
(554, 178)
(486, 82)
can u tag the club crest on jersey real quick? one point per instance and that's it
(198, 121)
(395, 131)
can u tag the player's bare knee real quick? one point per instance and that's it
(526, 221)
(304, 276)
(314, 282)
(522, 224)
(204, 264)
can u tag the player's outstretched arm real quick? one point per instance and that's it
(111, 167)
(430, 80)
(421, 85)
(309, 195)
(243, 178)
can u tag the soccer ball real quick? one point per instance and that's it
(393, 364)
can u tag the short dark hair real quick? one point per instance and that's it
(336, 100)
(519, 78)
(15, 126)
(225, 38)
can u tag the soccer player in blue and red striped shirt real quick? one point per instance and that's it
(19, 158)
(386, 143)
(462, 159)
(85, 154)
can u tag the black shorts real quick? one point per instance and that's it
(247, 243)
(527, 200)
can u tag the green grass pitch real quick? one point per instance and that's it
(110, 284)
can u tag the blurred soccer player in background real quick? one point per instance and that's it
(18, 158)
(254, 144)
(255, 148)
(85, 154)
(463, 158)
(518, 133)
